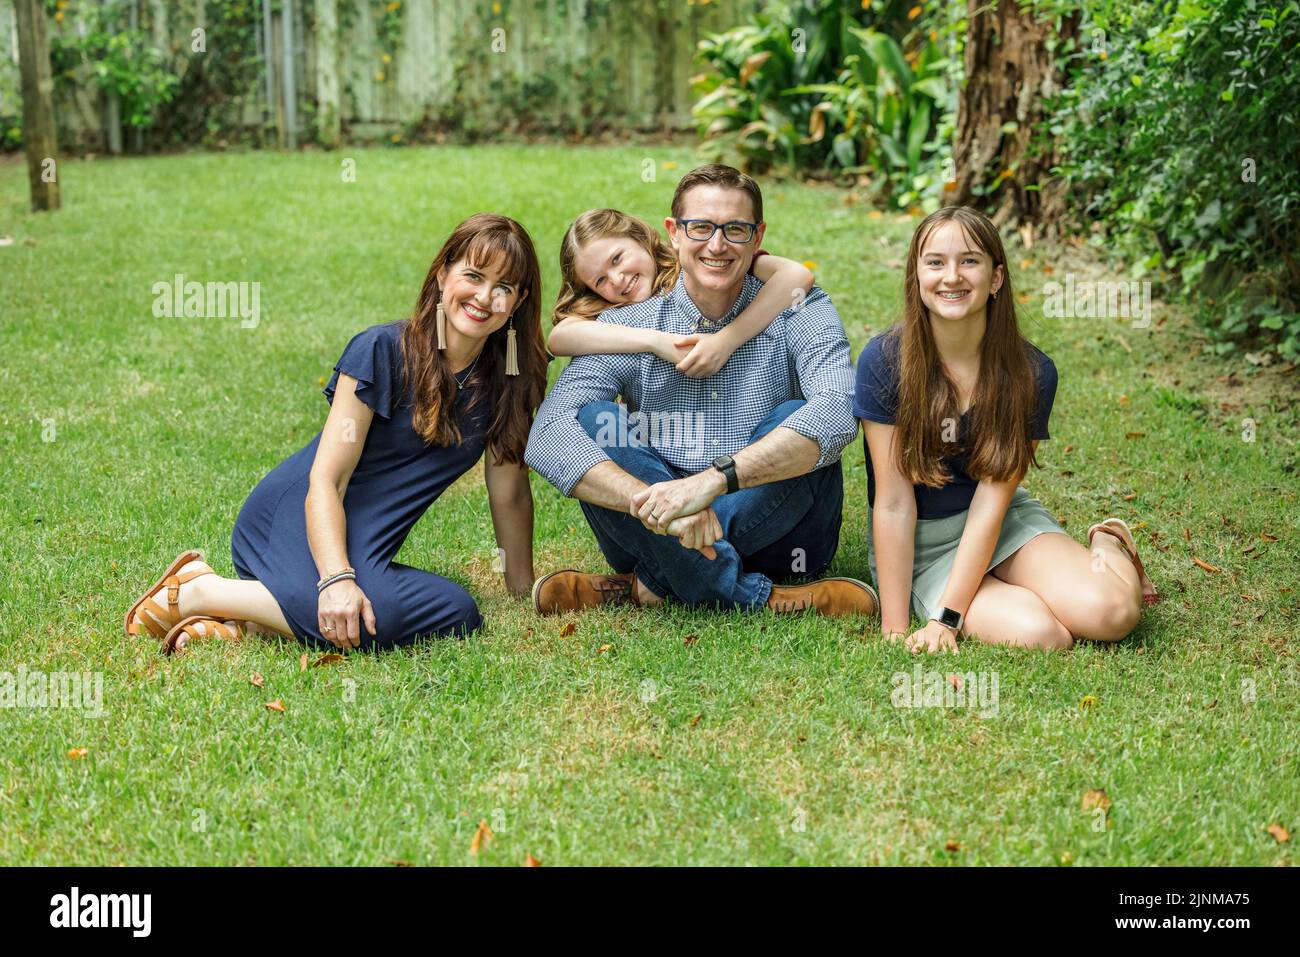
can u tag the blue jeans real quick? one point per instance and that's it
(786, 530)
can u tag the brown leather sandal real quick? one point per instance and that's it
(187, 630)
(156, 619)
(1119, 528)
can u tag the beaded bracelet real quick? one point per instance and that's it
(344, 575)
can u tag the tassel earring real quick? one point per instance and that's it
(512, 350)
(440, 320)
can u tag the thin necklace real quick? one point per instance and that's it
(467, 372)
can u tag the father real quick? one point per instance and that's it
(708, 489)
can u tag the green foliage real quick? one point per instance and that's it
(11, 124)
(1179, 132)
(214, 85)
(120, 60)
(808, 86)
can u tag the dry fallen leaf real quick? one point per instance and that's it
(955, 681)
(690, 640)
(256, 679)
(1280, 834)
(530, 861)
(1087, 701)
(276, 705)
(1267, 537)
(396, 862)
(1097, 797)
(1206, 565)
(302, 661)
(568, 629)
(327, 659)
(78, 752)
(696, 720)
(605, 648)
(952, 846)
(1135, 435)
(482, 836)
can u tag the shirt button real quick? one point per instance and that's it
(715, 441)
(715, 395)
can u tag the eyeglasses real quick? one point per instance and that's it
(702, 230)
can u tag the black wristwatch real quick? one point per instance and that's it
(949, 619)
(727, 466)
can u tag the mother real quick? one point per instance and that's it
(414, 403)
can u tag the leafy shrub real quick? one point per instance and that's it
(1180, 134)
(807, 86)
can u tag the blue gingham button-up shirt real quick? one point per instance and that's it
(803, 354)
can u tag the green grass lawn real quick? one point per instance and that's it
(764, 740)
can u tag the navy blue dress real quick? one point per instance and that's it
(396, 479)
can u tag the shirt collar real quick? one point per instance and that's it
(682, 300)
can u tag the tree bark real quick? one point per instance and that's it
(39, 139)
(1010, 72)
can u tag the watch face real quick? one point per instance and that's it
(949, 617)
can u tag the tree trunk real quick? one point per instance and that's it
(1009, 75)
(39, 138)
(328, 128)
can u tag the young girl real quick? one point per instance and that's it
(609, 258)
(953, 403)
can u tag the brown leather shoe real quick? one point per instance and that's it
(827, 596)
(571, 590)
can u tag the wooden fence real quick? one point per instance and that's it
(383, 65)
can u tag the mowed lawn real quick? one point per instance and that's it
(655, 737)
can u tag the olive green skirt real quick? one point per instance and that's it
(937, 540)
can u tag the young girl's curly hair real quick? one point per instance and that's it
(575, 298)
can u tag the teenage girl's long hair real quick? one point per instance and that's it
(575, 298)
(1006, 394)
(479, 240)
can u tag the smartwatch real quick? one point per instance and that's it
(727, 466)
(949, 619)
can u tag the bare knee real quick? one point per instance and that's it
(1114, 615)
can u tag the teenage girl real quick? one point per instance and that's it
(953, 403)
(609, 258)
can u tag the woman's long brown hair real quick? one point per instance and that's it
(479, 240)
(1006, 395)
(575, 298)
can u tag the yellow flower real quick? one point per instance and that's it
(914, 13)
(809, 264)
(59, 16)
(397, 137)
(379, 76)
(394, 5)
(669, 164)
(496, 8)
(387, 59)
